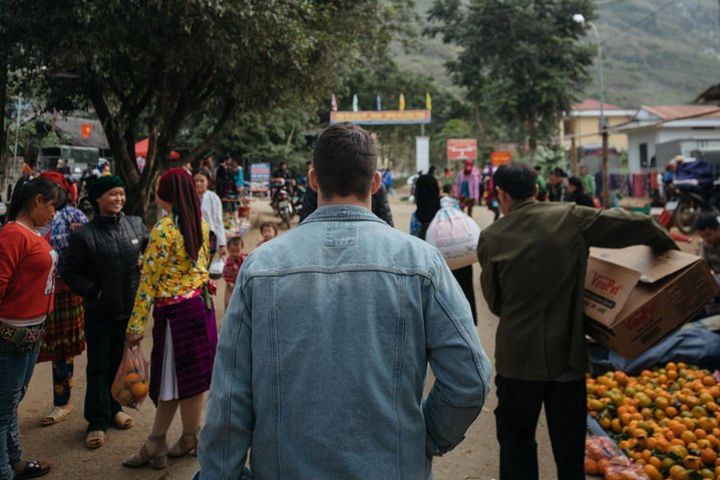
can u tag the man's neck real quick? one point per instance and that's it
(351, 200)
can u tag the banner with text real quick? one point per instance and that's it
(384, 117)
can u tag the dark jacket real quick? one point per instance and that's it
(533, 263)
(427, 198)
(380, 205)
(103, 256)
(580, 198)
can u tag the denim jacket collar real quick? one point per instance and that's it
(342, 213)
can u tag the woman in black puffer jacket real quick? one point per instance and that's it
(102, 265)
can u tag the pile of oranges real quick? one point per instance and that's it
(666, 420)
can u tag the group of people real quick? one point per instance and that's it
(94, 283)
(343, 314)
(322, 359)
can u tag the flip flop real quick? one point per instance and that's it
(95, 439)
(56, 416)
(33, 469)
(123, 421)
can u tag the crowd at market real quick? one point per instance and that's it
(320, 365)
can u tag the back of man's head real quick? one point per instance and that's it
(345, 161)
(516, 179)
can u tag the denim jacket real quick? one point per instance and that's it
(323, 356)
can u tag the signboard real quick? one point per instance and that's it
(383, 117)
(462, 149)
(500, 157)
(422, 154)
(260, 173)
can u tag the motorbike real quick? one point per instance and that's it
(298, 197)
(282, 202)
(689, 200)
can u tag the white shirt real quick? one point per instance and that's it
(212, 213)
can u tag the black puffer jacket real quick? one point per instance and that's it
(103, 256)
(380, 205)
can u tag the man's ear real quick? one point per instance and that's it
(312, 178)
(376, 183)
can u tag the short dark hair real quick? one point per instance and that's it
(235, 241)
(516, 179)
(269, 225)
(577, 183)
(345, 160)
(707, 222)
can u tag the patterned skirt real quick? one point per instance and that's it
(194, 340)
(64, 328)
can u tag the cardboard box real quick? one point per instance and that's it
(633, 299)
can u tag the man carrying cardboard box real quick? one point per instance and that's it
(534, 262)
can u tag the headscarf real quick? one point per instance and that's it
(176, 187)
(100, 185)
(59, 179)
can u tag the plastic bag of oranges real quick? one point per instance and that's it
(131, 384)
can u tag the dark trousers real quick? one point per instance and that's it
(516, 416)
(105, 339)
(464, 277)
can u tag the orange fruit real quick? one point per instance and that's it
(709, 380)
(139, 390)
(693, 462)
(602, 465)
(678, 473)
(131, 379)
(652, 472)
(591, 467)
(688, 437)
(708, 456)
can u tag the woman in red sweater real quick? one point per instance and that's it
(27, 282)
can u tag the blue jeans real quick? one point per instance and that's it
(16, 369)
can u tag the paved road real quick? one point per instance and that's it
(475, 459)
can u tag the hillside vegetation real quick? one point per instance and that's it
(656, 51)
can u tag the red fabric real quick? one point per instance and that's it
(141, 150)
(59, 179)
(232, 268)
(27, 273)
(176, 187)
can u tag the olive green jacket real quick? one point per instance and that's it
(533, 271)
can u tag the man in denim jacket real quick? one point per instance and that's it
(324, 350)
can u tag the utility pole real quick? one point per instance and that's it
(17, 130)
(573, 148)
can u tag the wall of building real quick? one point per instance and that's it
(635, 139)
(586, 131)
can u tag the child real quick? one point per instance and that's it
(268, 231)
(234, 261)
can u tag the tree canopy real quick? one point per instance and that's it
(147, 67)
(521, 61)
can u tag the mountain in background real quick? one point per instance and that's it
(655, 51)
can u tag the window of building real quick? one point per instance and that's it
(644, 163)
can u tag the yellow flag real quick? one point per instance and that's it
(401, 103)
(428, 101)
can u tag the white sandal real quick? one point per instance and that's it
(56, 416)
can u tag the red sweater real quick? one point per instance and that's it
(27, 273)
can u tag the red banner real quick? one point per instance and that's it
(462, 149)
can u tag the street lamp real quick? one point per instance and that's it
(580, 19)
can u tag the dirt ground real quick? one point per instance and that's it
(476, 458)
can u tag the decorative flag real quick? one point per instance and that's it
(378, 101)
(401, 103)
(428, 101)
(333, 103)
(86, 130)
(355, 103)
